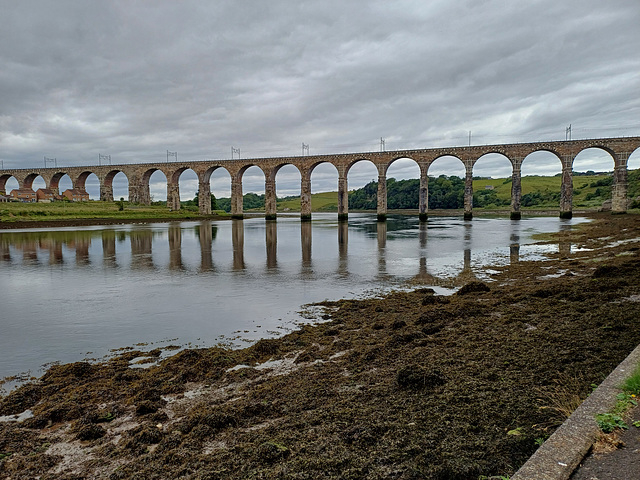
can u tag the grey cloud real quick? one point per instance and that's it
(134, 79)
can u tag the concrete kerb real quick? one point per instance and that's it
(560, 455)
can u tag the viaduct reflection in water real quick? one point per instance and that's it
(144, 248)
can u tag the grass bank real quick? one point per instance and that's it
(13, 214)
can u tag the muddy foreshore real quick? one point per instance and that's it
(412, 385)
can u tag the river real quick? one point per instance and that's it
(67, 294)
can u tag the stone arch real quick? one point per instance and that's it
(62, 182)
(237, 187)
(240, 173)
(290, 174)
(400, 169)
(633, 169)
(206, 176)
(488, 190)
(156, 183)
(600, 163)
(403, 162)
(324, 165)
(92, 187)
(32, 178)
(495, 157)
(182, 186)
(596, 158)
(349, 165)
(440, 159)
(538, 161)
(633, 162)
(220, 183)
(597, 146)
(444, 186)
(360, 181)
(543, 171)
(113, 186)
(324, 172)
(206, 189)
(8, 182)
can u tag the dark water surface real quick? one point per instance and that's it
(72, 293)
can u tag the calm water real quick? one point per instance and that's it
(73, 293)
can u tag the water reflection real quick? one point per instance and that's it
(109, 249)
(343, 249)
(141, 248)
(206, 232)
(271, 241)
(564, 247)
(237, 239)
(514, 242)
(175, 247)
(305, 243)
(146, 244)
(196, 281)
(381, 235)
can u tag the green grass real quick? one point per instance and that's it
(582, 188)
(625, 400)
(15, 212)
(320, 202)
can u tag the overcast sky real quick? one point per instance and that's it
(135, 79)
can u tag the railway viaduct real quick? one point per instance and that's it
(138, 175)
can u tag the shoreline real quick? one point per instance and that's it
(82, 222)
(414, 383)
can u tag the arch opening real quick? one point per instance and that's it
(220, 185)
(492, 181)
(63, 184)
(188, 187)
(288, 188)
(324, 187)
(403, 184)
(362, 181)
(253, 189)
(541, 180)
(119, 184)
(156, 180)
(633, 179)
(91, 185)
(8, 183)
(593, 178)
(446, 183)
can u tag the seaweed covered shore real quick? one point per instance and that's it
(413, 385)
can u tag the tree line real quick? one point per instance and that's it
(445, 192)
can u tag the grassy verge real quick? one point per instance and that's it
(37, 212)
(627, 399)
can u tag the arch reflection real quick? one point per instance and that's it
(271, 242)
(237, 240)
(382, 251)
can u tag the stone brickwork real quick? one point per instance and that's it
(138, 175)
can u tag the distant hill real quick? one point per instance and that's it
(590, 190)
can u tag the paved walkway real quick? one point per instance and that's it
(620, 464)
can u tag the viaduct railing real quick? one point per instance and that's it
(139, 174)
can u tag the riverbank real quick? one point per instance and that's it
(64, 214)
(45, 218)
(84, 222)
(413, 385)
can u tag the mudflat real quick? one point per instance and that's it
(412, 385)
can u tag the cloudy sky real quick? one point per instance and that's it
(133, 79)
